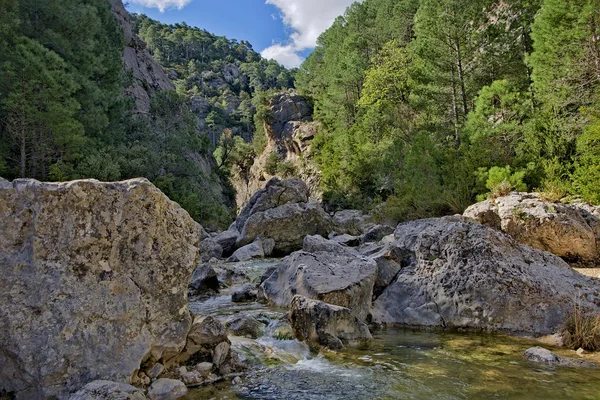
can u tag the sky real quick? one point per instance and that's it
(284, 30)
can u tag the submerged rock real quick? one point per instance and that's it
(344, 280)
(94, 280)
(461, 274)
(327, 325)
(245, 325)
(569, 231)
(540, 355)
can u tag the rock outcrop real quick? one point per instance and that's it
(461, 274)
(322, 324)
(148, 75)
(570, 231)
(289, 137)
(94, 281)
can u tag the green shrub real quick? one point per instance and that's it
(272, 163)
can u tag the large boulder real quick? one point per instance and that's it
(344, 280)
(465, 275)
(204, 281)
(276, 193)
(327, 325)
(287, 225)
(93, 281)
(566, 230)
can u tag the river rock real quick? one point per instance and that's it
(376, 233)
(544, 356)
(167, 389)
(339, 279)
(287, 225)
(260, 248)
(227, 241)
(204, 281)
(558, 228)
(245, 325)
(327, 325)
(107, 390)
(465, 275)
(94, 280)
(205, 334)
(317, 243)
(209, 248)
(246, 293)
(352, 222)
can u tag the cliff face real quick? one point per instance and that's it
(148, 75)
(288, 150)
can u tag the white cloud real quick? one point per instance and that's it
(162, 5)
(307, 19)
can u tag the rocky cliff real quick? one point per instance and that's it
(148, 76)
(289, 132)
(93, 282)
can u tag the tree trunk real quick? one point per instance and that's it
(461, 78)
(455, 110)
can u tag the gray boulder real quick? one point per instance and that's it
(561, 229)
(286, 225)
(205, 334)
(376, 233)
(167, 389)
(204, 281)
(317, 243)
(209, 248)
(465, 275)
(352, 222)
(247, 292)
(94, 280)
(327, 325)
(276, 193)
(260, 248)
(245, 325)
(543, 356)
(339, 279)
(107, 390)
(227, 240)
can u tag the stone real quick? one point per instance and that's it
(327, 325)
(544, 356)
(346, 240)
(155, 371)
(352, 222)
(227, 241)
(246, 293)
(204, 281)
(221, 353)
(94, 280)
(107, 390)
(248, 252)
(344, 280)
(458, 274)
(205, 334)
(245, 325)
(209, 248)
(390, 261)
(167, 389)
(317, 243)
(204, 368)
(276, 193)
(376, 233)
(287, 225)
(558, 228)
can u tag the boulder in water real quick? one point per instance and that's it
(107, 390)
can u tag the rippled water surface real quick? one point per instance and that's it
(398, 364)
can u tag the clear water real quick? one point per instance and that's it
(397, 364)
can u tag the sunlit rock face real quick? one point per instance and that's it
(93, 281)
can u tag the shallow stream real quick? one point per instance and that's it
(397, 364)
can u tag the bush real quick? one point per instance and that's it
(286, 169)
(272, 163)
(582, 330)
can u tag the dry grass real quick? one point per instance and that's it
(582, 330)
(500, 190)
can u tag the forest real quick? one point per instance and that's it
(64, 113)
(430, 105)
(427, 106)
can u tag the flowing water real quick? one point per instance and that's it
(397, 364)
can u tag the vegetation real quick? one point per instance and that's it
(429, 105)
(582, 330)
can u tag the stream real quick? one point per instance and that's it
(397, 364)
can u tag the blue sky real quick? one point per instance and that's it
(285, 30)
